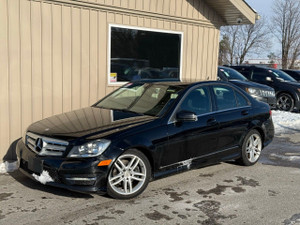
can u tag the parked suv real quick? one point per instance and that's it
(258, 91)
(287, 88)
(294, 74)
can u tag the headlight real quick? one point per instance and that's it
(90, 149)
(252, 91)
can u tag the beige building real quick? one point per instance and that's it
(61, 55)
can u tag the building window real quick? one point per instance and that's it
(137, 54)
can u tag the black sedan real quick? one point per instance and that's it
(258, 91)
(143, 131)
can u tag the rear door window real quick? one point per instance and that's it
(259, 75)
(241, 100)
(225, 97)
(228, 98)
(243, 70)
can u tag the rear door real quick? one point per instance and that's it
(233, 113)
(259, 75)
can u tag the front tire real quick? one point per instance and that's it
(129, 175)
(251, 148)
(285, 102)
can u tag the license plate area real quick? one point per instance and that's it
(35, 165)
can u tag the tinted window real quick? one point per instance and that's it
(243, 70)
(141, 54)
(197, 101)
(241, 100)
(280, 75)
(259, 75)
(232, 74)
(293, 74)
(225, 97)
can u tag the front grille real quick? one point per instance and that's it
(266, 93)
(45, 146)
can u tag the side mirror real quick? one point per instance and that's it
(269, 79)
(186, 116)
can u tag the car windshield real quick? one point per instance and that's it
(232, 74)
(143, 98)
(280, 75)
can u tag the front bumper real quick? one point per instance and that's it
(81, 175)
(269, 100)
(297, 103)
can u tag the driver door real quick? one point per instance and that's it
(192, 139)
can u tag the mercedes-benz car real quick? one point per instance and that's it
(258, 91)
(144, 131)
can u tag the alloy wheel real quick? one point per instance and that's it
(128, 174)
(253, 147)
(285, 102)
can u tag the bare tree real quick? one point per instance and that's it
(286, 28)
(272, 56)
(246, 39)
(254, 39)
(295, 53)
(224, 51)
(227, 44)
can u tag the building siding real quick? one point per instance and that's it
(54, 54)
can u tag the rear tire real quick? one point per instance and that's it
(129, 175)
(251, 148)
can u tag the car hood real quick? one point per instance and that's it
(250, 84)
(87, 122)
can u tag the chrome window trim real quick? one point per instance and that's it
(214, 112)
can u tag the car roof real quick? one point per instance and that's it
(290, 70)
(252, 65)
(225, 67)
(184, 83)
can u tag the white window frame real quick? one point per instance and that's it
(145, 29)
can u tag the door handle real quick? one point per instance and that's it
(245, 112)
(211, 122)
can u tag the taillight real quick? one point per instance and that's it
(270, 112)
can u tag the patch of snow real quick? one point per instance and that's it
(285, 122)
(187, 163)
(8, 167)
(2, 168)
(287, 158)
(44, 177)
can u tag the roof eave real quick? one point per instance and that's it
(234, 12)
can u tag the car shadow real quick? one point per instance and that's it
(234, 162)
(27, 182)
